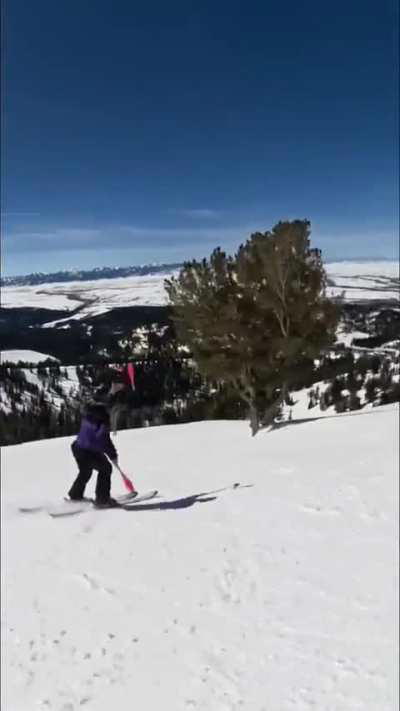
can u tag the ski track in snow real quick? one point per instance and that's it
(276, 597)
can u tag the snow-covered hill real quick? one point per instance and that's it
(34, 388)
(98, 296)
(365, 280)
(278, 595)
(24, 356)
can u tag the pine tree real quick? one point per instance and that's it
(254, 320)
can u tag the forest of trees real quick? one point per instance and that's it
(172, 391)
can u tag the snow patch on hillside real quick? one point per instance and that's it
(25, 356)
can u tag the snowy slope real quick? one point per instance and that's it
(100, 295)
(26, 356)
(280, 595)
(67, 386)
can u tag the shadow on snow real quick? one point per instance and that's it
(303, 420)
(184, 502)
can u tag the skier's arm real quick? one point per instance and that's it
(106, 444)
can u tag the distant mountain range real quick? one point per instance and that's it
(88, 274)
(115, 272)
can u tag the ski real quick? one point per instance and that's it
(129, 500)
(126, 504)
(70, 507)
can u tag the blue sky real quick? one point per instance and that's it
(137, 132)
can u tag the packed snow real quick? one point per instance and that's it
(280, 594)
(25, 356)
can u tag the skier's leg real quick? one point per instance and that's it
(83, 460)
(103, 484)
(114, 416)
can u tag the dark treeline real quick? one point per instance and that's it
(170, 390)
(87, 340)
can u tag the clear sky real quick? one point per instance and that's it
(155, 131)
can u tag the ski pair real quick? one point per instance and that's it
(122, 502)
(118, 500)
(70, 508)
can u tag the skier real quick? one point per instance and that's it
(90, 449)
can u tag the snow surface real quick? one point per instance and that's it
(100, 295)
(25, 356)
(279, 595)
(349, 268)
(365, 280)
(347, 337)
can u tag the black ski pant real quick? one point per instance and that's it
(87, 462)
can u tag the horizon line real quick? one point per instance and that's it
(175, 264)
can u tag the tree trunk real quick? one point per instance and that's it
(254, 420)
(270, 413)
(273, 410)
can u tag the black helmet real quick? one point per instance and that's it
(97, 412)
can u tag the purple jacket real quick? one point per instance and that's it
(96, 438)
